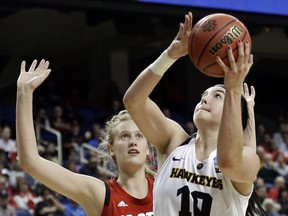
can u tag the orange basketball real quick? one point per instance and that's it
(210, 37)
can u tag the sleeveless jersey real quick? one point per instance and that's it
(119, 203)
(185, 186)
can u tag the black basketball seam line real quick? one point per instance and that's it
(225, 56)
(212, 38)
(190, 46)
(192, 39)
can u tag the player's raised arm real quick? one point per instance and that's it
(90, 194)
(233, 156)
(151, 121)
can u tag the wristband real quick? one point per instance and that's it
(162, 63)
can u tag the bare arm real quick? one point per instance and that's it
(151, 121)
(233, 157)
(80, 188)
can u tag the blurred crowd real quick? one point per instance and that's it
(272, 180)
(22, 195)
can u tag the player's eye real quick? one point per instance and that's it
(125, 137)
(139, 136)
(218, 96)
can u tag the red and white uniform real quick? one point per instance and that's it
(119, 203)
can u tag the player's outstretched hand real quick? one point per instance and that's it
(31, 79)
(179, 46)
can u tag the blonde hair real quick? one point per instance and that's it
(107, 138)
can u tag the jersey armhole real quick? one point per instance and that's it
(107, 195)
(188, 140)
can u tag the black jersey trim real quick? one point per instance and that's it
(188, 140)
(107, 195)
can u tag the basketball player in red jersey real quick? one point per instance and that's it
(129, 194)
(212, 172)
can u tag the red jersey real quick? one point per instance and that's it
(120, 203)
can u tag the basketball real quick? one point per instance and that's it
(210, 37)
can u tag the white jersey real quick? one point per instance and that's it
(185, 186)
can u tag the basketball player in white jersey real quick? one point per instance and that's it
(212, 172)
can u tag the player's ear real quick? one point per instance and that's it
(111, 151)
(148, 148)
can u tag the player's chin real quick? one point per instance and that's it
(202, 117)
(135, 164)
(200, 114)
(137, 159)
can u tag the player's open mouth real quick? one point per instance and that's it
(133, 151)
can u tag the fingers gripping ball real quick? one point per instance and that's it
(210, 37)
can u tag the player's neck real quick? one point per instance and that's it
(136, 185)
(205, 144)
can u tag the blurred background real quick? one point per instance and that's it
(96, 49)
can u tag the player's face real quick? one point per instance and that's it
(130, 146)
(210, 107)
